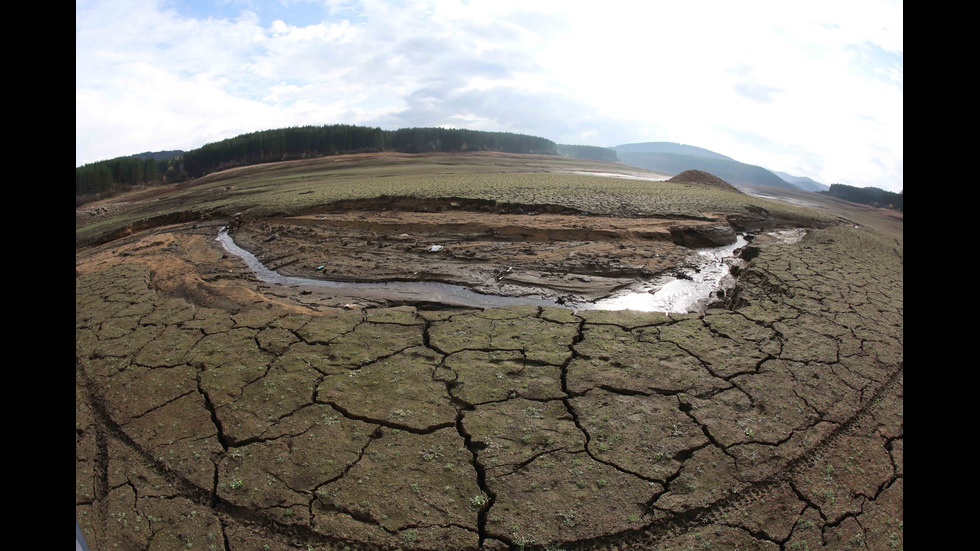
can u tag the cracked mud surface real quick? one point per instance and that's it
(217, 412)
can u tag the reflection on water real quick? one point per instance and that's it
(707, 272)
(400, 291)
(648, 178)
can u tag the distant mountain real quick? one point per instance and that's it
(669, 147)
(589, 152)
(672, 159)
(876, 197)
(802, 182)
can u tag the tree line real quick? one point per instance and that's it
(106, 177)
(422, 140)
(875, 197)
(590, 152)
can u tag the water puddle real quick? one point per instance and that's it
(648, 178)
(788, 237)
(707, 272)
(402, 291)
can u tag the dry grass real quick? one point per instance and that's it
(294, 187)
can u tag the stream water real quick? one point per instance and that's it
(708, 271)
(702, 277)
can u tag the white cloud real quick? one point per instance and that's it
(760, 81)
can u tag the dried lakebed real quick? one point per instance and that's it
(217, 411)
(696, 282)
(466, 254)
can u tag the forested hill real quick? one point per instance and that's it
(159, 155)
(293, 143)
(590, 152)
(875, 197)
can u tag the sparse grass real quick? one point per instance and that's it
(294, 187)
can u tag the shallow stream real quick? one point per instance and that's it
(707, 271)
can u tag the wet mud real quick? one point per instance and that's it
(562, 256)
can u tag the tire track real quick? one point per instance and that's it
(676, 525)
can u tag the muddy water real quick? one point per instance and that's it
(707, 271)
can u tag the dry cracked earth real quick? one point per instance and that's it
(217, 412)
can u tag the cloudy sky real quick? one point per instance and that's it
(809, 87)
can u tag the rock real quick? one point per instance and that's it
(750, 252)
(699, 237)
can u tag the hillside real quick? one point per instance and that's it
(105, 178)
(158, 155)
(875, 197)
(733, 172)
(587, 152)
(670, 148)
(803, 182)
(674, 158)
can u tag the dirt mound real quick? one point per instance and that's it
(703, 178)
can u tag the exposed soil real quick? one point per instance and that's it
(214, 411)
(703, 178)
(494, 249)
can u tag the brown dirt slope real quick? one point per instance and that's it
(702, 178)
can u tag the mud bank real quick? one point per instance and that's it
(690, 287)
(706, 279)
(399, 292)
